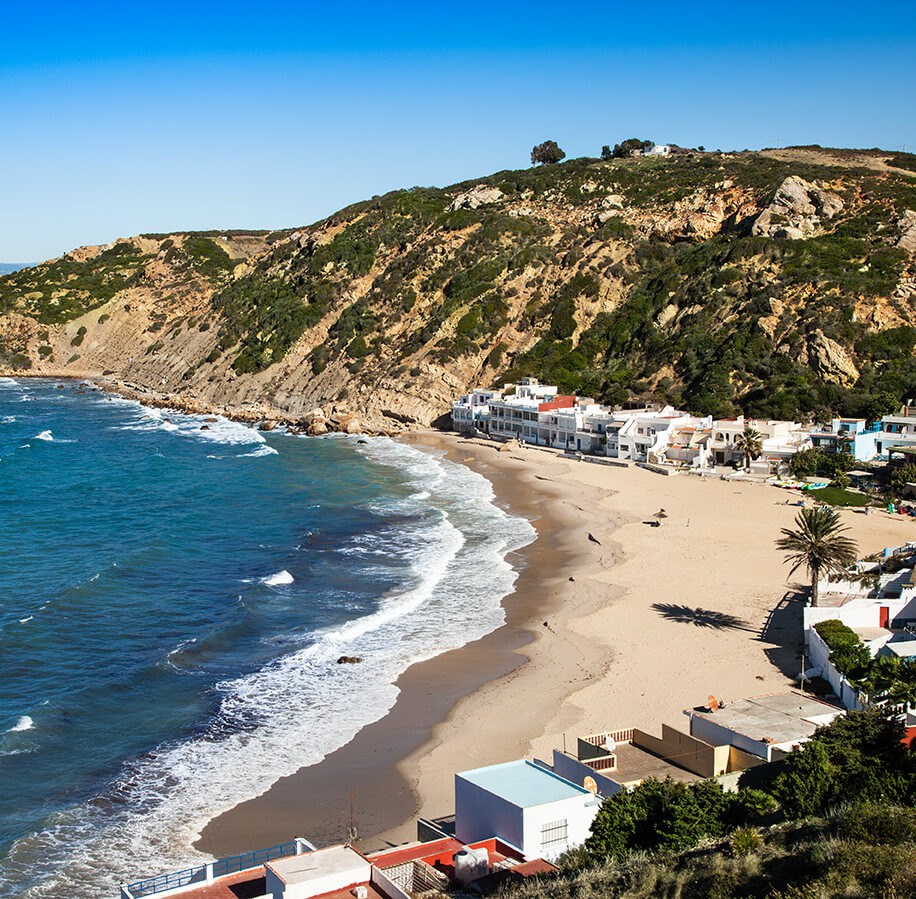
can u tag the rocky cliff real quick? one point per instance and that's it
(780, 284)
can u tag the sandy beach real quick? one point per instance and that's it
(614, 623)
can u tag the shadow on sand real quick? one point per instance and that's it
(782, 627)
(699, 617)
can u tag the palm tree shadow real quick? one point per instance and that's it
(700, 617)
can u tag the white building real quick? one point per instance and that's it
(766, 726)
(779, 440)
(654, 150)
(644, 435)
(531, 809)
(516, 415)
(317, 873)
(896, 431)
(689, 447)
(472, 411)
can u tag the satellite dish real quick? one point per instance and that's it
(610, 743)
(590, 785)
(713, 703)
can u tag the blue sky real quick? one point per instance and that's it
(120, 118)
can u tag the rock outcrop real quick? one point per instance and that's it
(797, 211)
(907, 225)
(482, 195)
(831, 360)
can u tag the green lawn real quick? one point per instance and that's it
(836, 496)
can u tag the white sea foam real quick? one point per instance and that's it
(24, 723)
(278, 579)
(7, 419)
(8, 382)
(44, 435)
(454, 541)
(212, 428)
(24, 620)
(263, 450)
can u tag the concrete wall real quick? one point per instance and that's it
(386, 886)
(576, 772)
(717, 735)
(687, 751)
(819, 657)
(739, 761)
(480, 815)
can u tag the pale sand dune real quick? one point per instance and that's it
(656, 620)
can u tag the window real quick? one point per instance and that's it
(553, 837)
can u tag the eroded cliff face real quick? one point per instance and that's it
(701, 279)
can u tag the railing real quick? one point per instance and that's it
(618, 736)
(252, 859)
(207, 873)
(602, 763)
(163, 882)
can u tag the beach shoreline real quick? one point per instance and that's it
(314, 802)
(618, 619)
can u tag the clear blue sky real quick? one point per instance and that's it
(124, 118)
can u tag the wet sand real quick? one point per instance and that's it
(315, 801)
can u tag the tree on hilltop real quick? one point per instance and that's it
(546, 153)
(818, 544)
(628, 146)
(606, 152)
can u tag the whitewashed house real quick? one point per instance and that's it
(765, 726)
(780, 440)
(472, 412)
(533, 810)
(896, 431)
(646, 435)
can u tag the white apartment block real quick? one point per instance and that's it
(536, 413)
(472, 411)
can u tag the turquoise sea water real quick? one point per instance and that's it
(174, 593)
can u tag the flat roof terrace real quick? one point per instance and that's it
(636, 763)
(523, 783)
(776, 718)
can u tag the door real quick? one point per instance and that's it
(884, 617)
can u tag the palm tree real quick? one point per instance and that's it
(750, 443)
(818, 543)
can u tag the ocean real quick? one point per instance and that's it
(175, 592)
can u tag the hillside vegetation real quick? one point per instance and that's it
(721, 282)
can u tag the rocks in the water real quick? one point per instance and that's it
(267, 426)
(347, 423)
(210, 421)
(205, 427)
(797, 210)
(349, 660)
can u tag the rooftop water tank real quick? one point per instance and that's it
(471, 864)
